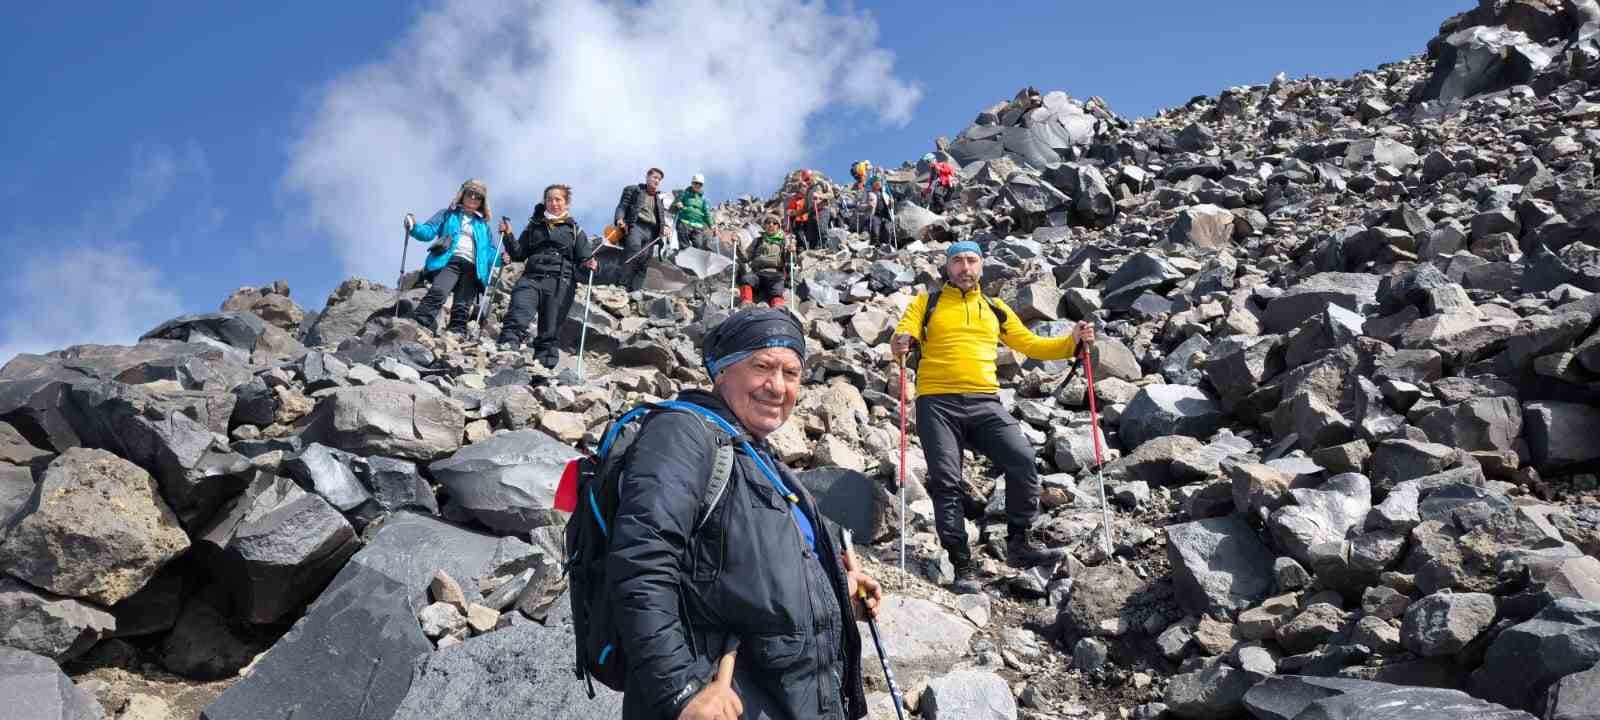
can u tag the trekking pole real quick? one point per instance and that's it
(1099, 461)
(877, 639)
(902, 487)
(583, 334)
(405, 247)
(483, 305)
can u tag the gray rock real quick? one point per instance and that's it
(1100, 593)
(1443, 624)
(1089, 655)
(1561, 433)
(35, 689)
(1204, 227)
(1152, 462)
(1140, 273)
(1357, 292)
(396, 484)
(327, 473)
(1160, 410)
(276, 547)
(1526, 658)
(519, 672)
(349, 308)
(16, 486)
(507, 482)
(1218, 565)
(1483, 59)
(56, 627)
(1485, 423)
(975, 694)
(853, 500)
(1334, 512)
(94, 528)
(1575, 697)
(1318, 622)
(369, 611)
(16, 450)
(1296, 697)
(1214, 692)
(389, 418)
(170, 434)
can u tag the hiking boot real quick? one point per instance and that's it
(1021, 552)
(968, 580)
(549, 360)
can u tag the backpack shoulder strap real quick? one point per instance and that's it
(721, 471)
(999, 314)
(927, 312)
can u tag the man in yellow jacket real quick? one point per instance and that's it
(958, 406)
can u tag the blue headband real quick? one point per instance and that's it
(748, 332)
(963, 246)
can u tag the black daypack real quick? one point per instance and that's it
(599, 475)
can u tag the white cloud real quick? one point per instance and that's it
(106, 292)
(524, 93)
(112, 297)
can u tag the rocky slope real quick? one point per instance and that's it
(1348, 378)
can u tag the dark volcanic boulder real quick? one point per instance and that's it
(1218, 564)
(1526, 658)
(35, 689)
(507, 482)
(56, 627)
(1161, 410)
(276, 546)
(852, 500)
(511, 674)
(1294, 697)
(390, 418)
(369, 612)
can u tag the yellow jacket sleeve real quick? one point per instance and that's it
(1018, 337)
(911, 322)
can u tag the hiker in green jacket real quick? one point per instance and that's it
(694, 220)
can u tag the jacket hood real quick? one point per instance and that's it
(478, 187)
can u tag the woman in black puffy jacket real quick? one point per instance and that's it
(552, 248)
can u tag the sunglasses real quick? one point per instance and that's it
(471, 194)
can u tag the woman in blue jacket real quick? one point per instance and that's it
(461, 259)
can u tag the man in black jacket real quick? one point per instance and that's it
(552, 248)
(641, 216)
(763, 570)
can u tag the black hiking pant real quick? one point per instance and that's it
(639, 236)
(695, 237)
(458, 278)
(948, 424)
(810, 233)
(541, 295)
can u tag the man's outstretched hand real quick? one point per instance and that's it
(901, 344)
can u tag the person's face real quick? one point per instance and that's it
(761, 389)
(555, 202)
(697, 187)
(471, 200)
(652, 181)
(771, 227)
(964, 270)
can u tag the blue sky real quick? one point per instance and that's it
(187, 148)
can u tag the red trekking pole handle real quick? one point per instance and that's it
(1094, 411)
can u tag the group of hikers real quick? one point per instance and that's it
(719, 589)
(723, 592)
(464, 255)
